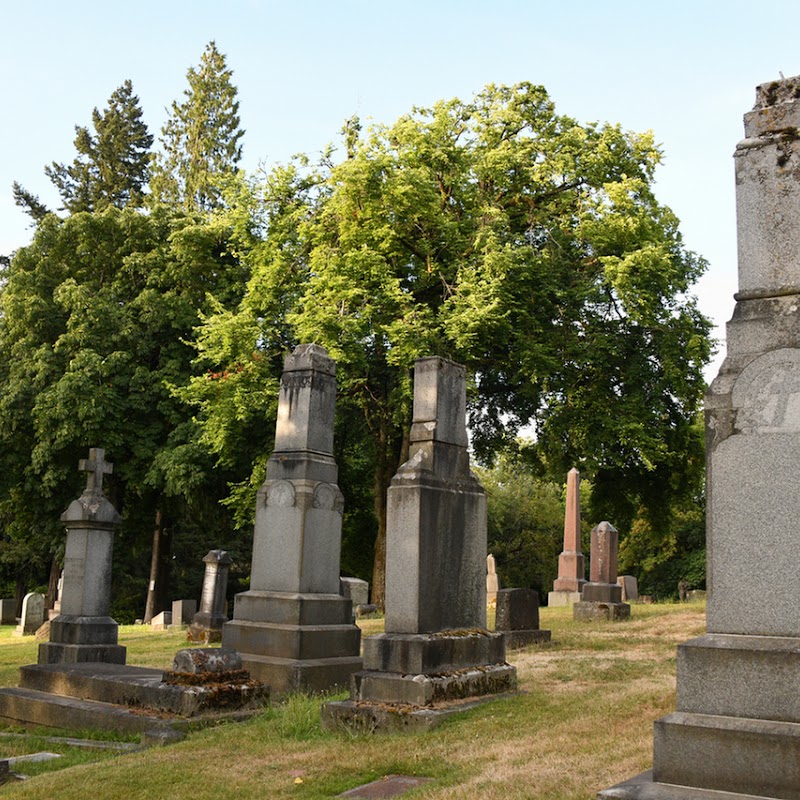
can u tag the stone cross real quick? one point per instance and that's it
(97, 466)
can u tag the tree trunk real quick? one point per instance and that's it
(149, 609)
(52, 584)
(19, 594)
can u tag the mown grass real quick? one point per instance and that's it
(584, 722)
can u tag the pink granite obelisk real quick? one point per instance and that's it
(567, 587)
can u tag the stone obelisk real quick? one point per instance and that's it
(737, 724)
(571, 575)
(293, 629)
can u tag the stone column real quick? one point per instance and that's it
(208, 621)
(84, 631)
(492, 580)
(436, 647)
(738, 712)
(567, 587)
(601, 597)
(293, 628)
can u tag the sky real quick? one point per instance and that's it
(687, 70)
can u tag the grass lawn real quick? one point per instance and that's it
(583, 723)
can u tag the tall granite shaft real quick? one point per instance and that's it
(571, 571)
(84, 631)
(737, 724)
(435, 648)
(293, 628)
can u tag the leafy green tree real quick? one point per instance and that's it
(511, 239)
(200, 140)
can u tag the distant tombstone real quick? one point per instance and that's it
(162, 621)
(601, 597)
(517, 617)
(492, 580)
(354, 589)
(630, 588)
(56, 609)
(32, 614)
(183, 612)
(683, 590)
(8, 612)
(571, 577)
(208, 621)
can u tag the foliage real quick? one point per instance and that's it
(513, 240)
(201, 137)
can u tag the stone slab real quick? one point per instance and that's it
(428, 653)
(299, 642)
(744, 676)
(388, 786)
(57, 653)
(286, 608)
(284, 675)
(589, 612)
(643, 787)
(428, 690)
(561, 599)
(728, 754)
(601, 593)
(355, 590)
(358, 717)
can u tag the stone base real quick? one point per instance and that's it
(559, 599)
(199, 634)
(601, 593)
(643, 787)
(57, 653)
(357, 717)
(79, 640)
(518, 639)
(588, 612)
(295, 642)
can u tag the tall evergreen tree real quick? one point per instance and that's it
(201, 138)
(112, 163)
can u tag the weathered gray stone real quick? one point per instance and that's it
(208, 621)
(8, 612)
(199, 660)
(293, 628)
(517, 618)
(737, 727)
(592, 611)
(355, 590)
(56, 609)
(84, 631)
(32, 614)
(161, 621)
(183, 612)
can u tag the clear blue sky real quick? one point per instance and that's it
(686, 70)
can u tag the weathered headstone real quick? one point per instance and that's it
(208, 621)
(630, 588)
(183, 612)
(84, 631)
(436, 647)
(517, 618)
(161, 621)
(8, 612)
(601, 597)
(293, 628)
(32, 614)
(356, 590)
(492, 580)
(736, 726)
(571, 575)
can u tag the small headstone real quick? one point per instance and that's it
(517, 617)
(683, 589)
(492, 580)
(32, 614)
(630, 588)
(354, 589)
(695, 595)
(8, 612)
(162, 621)
(183, 612)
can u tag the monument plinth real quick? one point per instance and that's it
(737, 724)
(436, 647)
(293, 629)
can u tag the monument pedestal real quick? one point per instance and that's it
(78, 639)
(601, 601)
(562, 599)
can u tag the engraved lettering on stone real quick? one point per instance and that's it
(281, 493)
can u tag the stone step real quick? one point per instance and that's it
(32, 707)
(292, 641)
(131, 686)
(293, 675)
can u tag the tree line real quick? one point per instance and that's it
(152, 311)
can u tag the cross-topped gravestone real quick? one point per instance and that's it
(96, 466)
(84, 631)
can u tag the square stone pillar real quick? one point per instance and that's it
(436, 647)
(601, 597)
(736, 728)
(293, 629)
(84, 631)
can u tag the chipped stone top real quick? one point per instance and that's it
(440, 402)
(777, 109)
(310, 356)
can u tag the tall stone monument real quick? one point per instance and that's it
(84, 631)
(601, 597)
(293, 628)
(571, 575)
(436, 647)
(737, 724)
